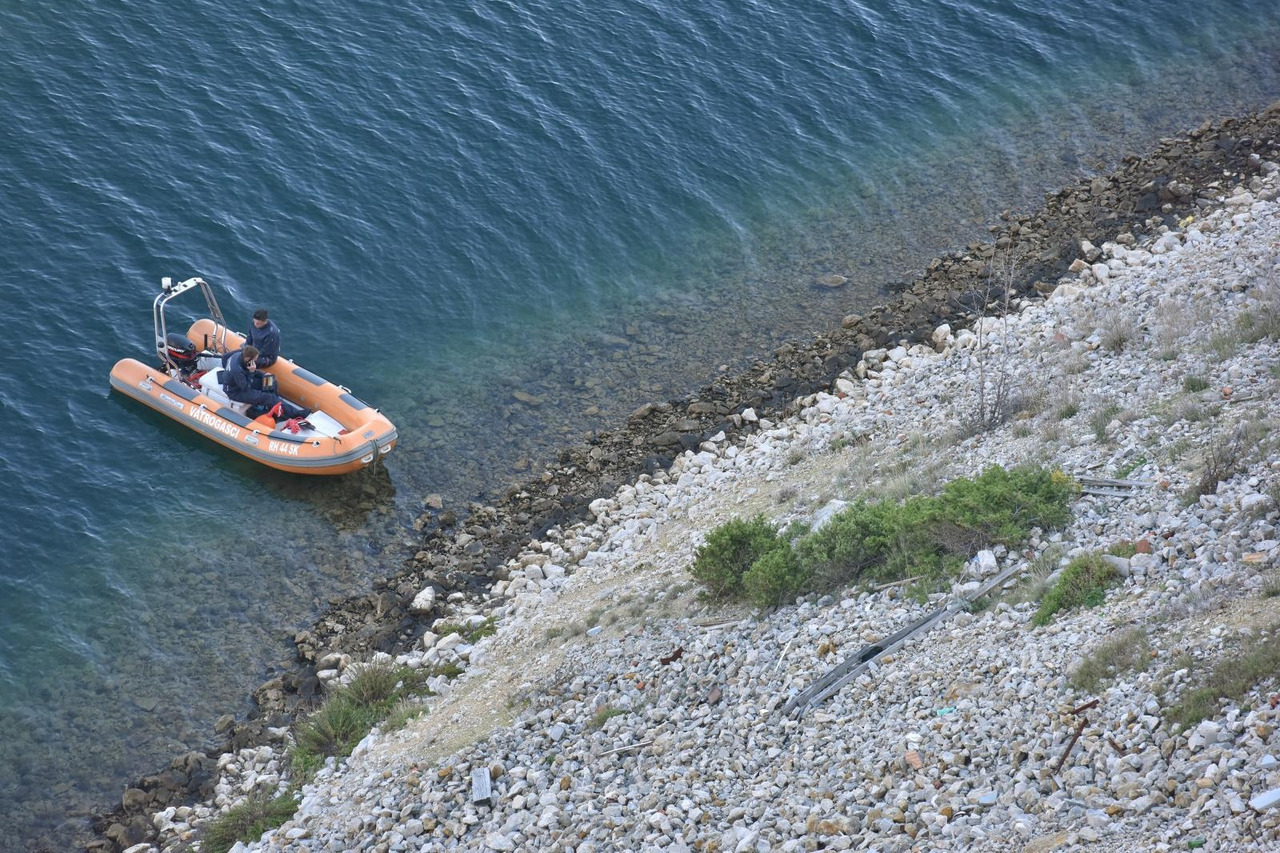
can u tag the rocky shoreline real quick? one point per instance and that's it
(464, 555)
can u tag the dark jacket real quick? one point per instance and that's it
(267, 340)
(238, 381)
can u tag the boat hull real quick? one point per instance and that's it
(369, 434)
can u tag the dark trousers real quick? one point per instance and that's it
(266, 400)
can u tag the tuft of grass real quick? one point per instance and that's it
(1178, 449)
(1035, 581)
(1261, 319)
(1123, 548)
(1116, 334)
(795, 456)
(1129, 467)
(1100, 418)
(351, 711)
(1231, 678)
(401, 713)
(373, 685)
(247, 821)
(1083, 583)
(1021, 430)
(1129, 652)
(331, 730)
(603, 716)
(469, 635)
(1272, 589)
(1194, 384)
(1224, 345)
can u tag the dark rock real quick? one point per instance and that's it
(134, 799)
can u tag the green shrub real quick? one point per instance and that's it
(923, 536)
(729, 552)
(247, 821)
(933, 536)
(1083, 583)
(775, 578)
(1194, 384)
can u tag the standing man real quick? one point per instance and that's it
(264, 336)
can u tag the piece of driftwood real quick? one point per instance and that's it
(1102, 487)
(783, 656)
(639, 745)
(1084, 721)
(481, 786)
(902, 582)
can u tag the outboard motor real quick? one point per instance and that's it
(181, 351)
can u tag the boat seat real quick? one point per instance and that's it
(210, 387)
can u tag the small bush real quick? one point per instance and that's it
(1083, 583)
(729, 552)
(1223, 460)
(1194, 384)
(1116, 334)
(247, 821)
(775, 578)
(1232, 677)
(933, 536)
(1261, 319)
(1129, 652)
(929, 537)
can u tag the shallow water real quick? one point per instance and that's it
(599, 204)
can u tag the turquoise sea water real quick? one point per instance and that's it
(598, 203)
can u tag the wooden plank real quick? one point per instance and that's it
(1124, 484)
(481, 786)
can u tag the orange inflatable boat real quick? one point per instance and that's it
(341, 434)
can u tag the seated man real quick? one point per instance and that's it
(265, 335)
(243, 384)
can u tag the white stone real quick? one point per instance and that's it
(423, 602)
(1265, 800)
(452, 641)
